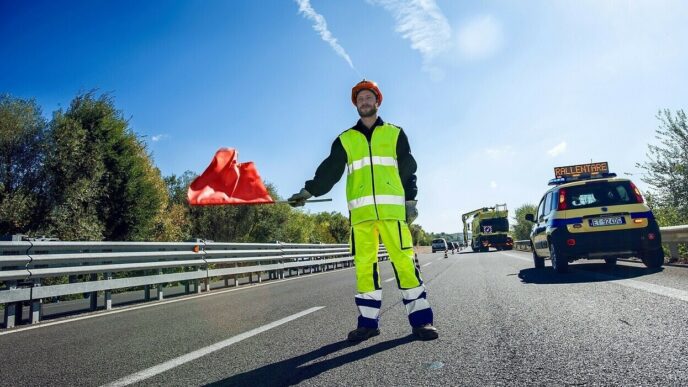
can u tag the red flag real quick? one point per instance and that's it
(226, 181)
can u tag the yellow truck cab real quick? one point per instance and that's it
(592, 214)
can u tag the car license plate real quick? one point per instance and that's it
(609, 221)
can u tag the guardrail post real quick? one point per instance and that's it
(36, 305)
(161, 295)
(206, 283)
(11, 308)
(673, 251)
(187, 287)
(108, 293)
(197, 286)
(146, 292)
(94, 295)
(236, 280)
(226, 278)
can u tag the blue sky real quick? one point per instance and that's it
(492, 94)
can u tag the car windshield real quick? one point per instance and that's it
(600, 194)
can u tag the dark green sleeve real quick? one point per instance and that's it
(407, 167)
(329, 172)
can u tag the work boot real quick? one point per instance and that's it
(425, 332)
(362, 333)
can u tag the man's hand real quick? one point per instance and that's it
(411, 211)
(299, 199)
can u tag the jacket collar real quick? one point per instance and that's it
(364, 129)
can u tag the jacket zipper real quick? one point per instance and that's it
(372, 173)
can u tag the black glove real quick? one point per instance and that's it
(299, 199)
(411, 211)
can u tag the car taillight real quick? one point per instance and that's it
(636, 191)
(561, 205)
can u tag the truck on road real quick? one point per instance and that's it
(489, 227)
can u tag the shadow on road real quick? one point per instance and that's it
(293, 371)
(584, 272)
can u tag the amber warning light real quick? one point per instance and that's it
(581, 170)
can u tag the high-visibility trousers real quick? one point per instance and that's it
(396, 237)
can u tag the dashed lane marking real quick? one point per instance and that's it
(176, 362)
(389, 279)
(427, 264)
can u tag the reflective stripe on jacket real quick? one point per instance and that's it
(373, 186)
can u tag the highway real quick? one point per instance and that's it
(501, 322)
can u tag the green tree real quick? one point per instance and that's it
(520, 229)
(331, 227)
(22, 136)
(666, 169)
(103, 182)
(419, 236)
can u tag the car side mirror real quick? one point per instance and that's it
(530, 218)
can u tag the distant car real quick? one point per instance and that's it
(601, 217)
(439, 244)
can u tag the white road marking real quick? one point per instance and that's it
(158, 303)
(648, 287)
(176, 362)
(630, 283)
(389, 279)
(427, 264)
(522, 258)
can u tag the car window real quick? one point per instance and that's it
(600, 194)
(548, 204)
(541, 209)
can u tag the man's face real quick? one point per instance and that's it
(366, 103)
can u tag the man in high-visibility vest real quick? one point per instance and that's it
(380, 191)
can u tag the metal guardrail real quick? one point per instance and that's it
(104, 266)
(672, 236)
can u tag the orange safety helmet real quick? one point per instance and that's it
(366, 85)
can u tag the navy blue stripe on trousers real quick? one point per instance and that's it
(370, 303)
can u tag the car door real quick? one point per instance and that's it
(539, 234)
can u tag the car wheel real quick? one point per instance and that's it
(653, 259)
(559, 262)
(610, 261)
(538, 260)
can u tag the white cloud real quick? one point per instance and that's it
(481, 37)
(423, 23)
(493, 184)
(557, 150)
(158, 137)
(320, 26)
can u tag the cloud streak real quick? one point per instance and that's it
(557, 150)
(320, 26)
(422, 23)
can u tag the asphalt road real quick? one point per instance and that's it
(501, 322)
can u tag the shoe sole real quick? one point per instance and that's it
(427, 337)
(357, 340)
